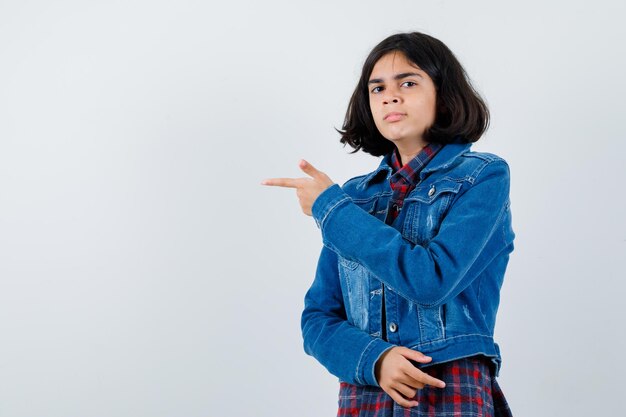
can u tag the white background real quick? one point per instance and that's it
(144, 271)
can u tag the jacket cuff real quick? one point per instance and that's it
(367, 363)
(326, 202)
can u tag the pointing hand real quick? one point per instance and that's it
(307, 189)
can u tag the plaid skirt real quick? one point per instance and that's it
(470, 391)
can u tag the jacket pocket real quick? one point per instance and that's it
(426, 207)
(431, 322)
(356, 279)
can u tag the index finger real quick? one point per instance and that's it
(282, 182)
(421, 376)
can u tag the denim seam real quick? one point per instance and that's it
(328, 210)
(374, 197)
(485, 156)
(479, 169)
(455, 179)
(360, 362)
(502, 212)
(451, 338)
(507, 208)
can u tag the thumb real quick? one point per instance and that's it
(310, 169)
(414, 355)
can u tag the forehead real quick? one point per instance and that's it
(394, 62)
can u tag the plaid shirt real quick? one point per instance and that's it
(406, 177)
(471, 390)
(402, 181)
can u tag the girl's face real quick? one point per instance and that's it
(402, 99)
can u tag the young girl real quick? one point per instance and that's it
(403, 305)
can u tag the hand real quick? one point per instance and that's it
(307, 189)
(400, 378)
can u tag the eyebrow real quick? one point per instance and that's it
(396, 77)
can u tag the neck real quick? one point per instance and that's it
(409, 152)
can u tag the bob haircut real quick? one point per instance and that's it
(461, 116)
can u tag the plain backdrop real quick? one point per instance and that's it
(144, 271)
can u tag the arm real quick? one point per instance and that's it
(428, 275)
(345, 350)
(350, 353)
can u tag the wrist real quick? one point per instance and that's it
(378, 364)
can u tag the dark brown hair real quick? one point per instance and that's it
(462, 116)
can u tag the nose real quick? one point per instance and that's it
(391, 97)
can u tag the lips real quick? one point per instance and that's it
(394, 116)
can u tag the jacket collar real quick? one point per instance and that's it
(441, 160)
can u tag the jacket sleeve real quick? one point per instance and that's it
(346, 351)
(432, 274)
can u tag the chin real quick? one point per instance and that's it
(394, 137)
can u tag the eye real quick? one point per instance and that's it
(377, 89)
(409, 82)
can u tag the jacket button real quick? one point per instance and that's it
(431, 191)
(393, 327)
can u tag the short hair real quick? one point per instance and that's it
(461, 114)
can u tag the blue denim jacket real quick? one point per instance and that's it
(441, 266)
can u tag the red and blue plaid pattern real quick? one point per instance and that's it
(406, 177)
(470, 390)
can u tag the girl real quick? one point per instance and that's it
(403, 305)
